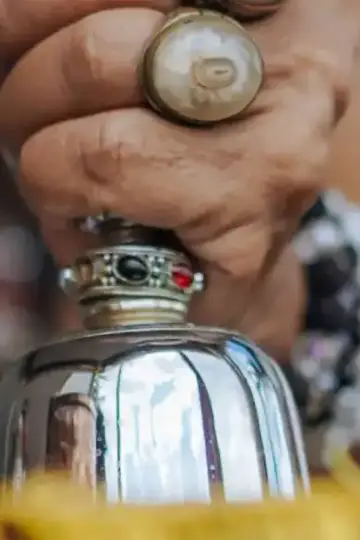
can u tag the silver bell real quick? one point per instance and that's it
(144, 407)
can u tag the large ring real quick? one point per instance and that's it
(201, 67)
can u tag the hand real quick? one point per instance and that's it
(232, 194)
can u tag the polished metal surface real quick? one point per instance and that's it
(153, 414)
(201, 67)
(149, 413)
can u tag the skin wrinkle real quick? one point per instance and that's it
(96, 165)
(31, 22)
(95, 82)
(108, 164)
(248, 257)
(97, 59)
(212, 223)
(107, 168)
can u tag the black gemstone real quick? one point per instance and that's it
(132, 269)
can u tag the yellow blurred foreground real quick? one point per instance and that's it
(52, 509)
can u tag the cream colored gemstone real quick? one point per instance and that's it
(204, 68)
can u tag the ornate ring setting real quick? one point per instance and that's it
(201, 67)
(127, 281)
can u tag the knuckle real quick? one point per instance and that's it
(313, 176)
(105, 156)
(240, 253)
(300, 168)
(243, 265)
(241, 268)
(84, 61)
(309, 168)
(104, 45)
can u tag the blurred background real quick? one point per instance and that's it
(32, 307)
(28, 297)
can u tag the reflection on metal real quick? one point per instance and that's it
(19, 449)
(156, 414)
(71, 438)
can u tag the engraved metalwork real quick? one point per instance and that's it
(71, 438)
(107, 298)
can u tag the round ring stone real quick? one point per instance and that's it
(131, 269)
(201, 68)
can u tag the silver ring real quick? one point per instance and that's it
(201, 67)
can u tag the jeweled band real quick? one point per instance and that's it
(133, 267)
(127, 281)
(201, 67)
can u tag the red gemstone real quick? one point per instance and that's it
(182, 277)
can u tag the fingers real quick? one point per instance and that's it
(130, 162)
(89, 66)
(22, 24)
(119, 160)
(149, 171)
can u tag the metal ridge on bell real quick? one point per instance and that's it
(145, 407)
